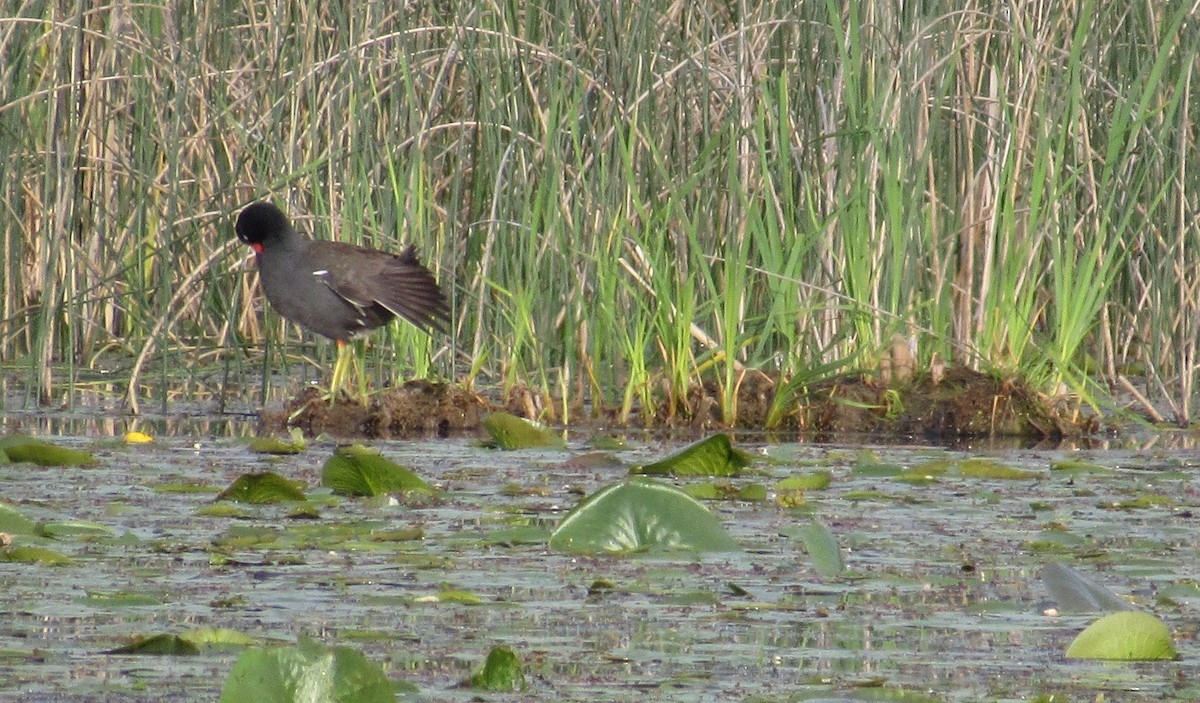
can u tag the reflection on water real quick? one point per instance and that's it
(114, 425)
(99, 410)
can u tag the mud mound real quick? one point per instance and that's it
(418, 408)
(955, 403)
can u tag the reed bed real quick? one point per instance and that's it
(623, 199)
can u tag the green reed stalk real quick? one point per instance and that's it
(803, 181)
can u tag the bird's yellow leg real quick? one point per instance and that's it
(347, 364)
(338, 379)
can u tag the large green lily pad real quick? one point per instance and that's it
(359, 471)
(501, 672)
(308, 672)
(640, 514)
(823, 550)
(512, 432)
(1130, 635)
(22, 448)
(711, 456)
(262, 489)
(161, 644)
(13, 522)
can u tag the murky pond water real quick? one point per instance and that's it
(941, 594)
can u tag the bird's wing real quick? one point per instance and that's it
(398, 283)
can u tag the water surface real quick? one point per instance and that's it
(941, 593)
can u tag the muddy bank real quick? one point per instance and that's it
(952, 403)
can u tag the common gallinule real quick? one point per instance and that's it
(338, 290)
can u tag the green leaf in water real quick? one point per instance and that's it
(274, 445)
(640, 514)
(217, 637)
(98, 599)
(164, 644)
(512, 432)
(14, 523)
(915, 476)
(985, 468)
(408, 534)
(706, 491)
(755, 492)
(451, 595)
(304, 511)
(24, 449)
(813, 481)
(878, 496)
(593, 461)
(927, 472)
(711, 456)
(308, 672)
(822, 549)
(226, 510)
(1131, 635)
(1079, 467)
(358, 471)
(867, 463)
(37, 555)
(1146, 500)
(1058, 542)
(502, 671)
(76, 529)
(262, 489)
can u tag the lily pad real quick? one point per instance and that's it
(985, 468)
(822, 549)
(501, 672)
(262, 489)
(14, 523)
(1075, 593)
(593, 461)
(640, 514)
(217, 637)
(76, 529)
(813, 481)
(1079, 467)
(358, 471)
(512, 432)
(711, 456)
(308, 672)
(24, 449)
(37, 555)
(451, 595)
(275, 445)
(868, 464)
(1131, 635)
(118, 599)
(1147, 500)
(158, 644)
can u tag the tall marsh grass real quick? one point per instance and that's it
(622, 198)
